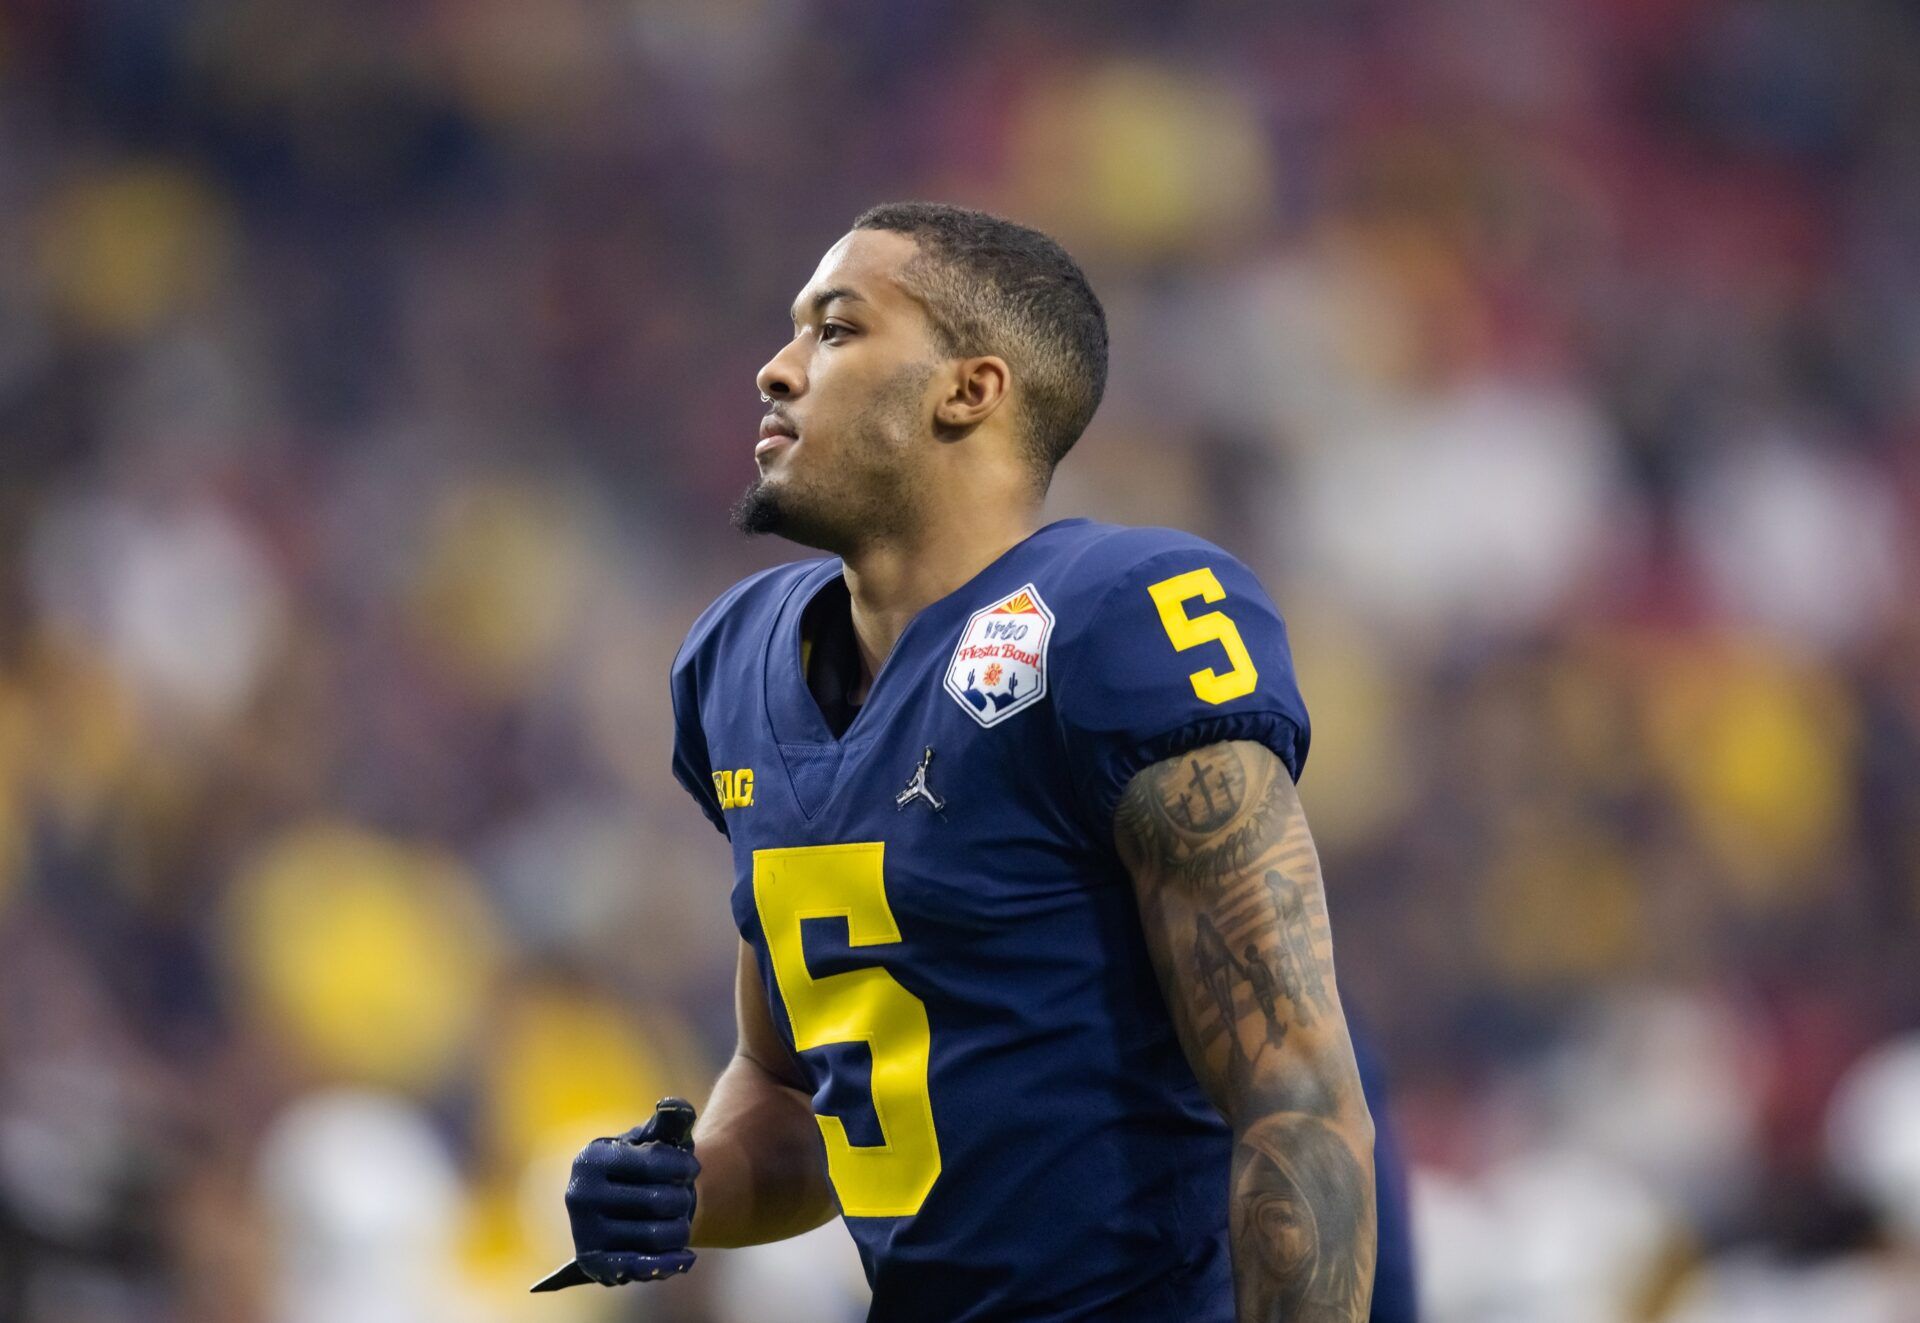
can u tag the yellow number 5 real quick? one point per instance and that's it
(1171, 596)
(890, 1179)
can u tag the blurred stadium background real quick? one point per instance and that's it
(374, 376)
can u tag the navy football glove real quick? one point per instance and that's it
(631, 1203)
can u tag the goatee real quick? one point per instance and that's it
(758, 510)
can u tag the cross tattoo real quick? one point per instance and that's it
(1214, 813)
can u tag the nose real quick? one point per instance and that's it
(782, 378)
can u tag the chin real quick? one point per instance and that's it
(760, 509)
(773, 507)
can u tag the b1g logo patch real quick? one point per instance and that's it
(1000, 664)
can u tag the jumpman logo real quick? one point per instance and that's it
(917, 787)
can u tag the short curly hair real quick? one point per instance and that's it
(991, 286)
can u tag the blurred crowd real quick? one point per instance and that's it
(374, 377)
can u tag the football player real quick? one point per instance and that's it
(1036, 984)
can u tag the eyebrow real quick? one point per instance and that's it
(818, 303)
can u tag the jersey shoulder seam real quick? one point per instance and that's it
(1126, 575)
(746, 595)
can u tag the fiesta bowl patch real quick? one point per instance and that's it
(1000, 663)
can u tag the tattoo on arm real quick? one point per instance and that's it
(1235, 915)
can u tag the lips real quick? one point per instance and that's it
(775, 432)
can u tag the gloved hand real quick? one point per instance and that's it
(631, 1203)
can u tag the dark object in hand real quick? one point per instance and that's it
(631, 1202)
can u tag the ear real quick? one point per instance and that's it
(976, 387)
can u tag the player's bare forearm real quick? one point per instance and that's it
(763, 1172)
(1235, 916)
(762, 1176)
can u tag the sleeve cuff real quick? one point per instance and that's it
(1276, 730)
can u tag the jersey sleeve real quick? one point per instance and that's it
(692, 766)
(1184, 650)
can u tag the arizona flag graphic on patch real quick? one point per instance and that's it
(1000, 663)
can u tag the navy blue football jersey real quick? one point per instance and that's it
(947, 937)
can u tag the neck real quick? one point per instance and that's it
(891, 580)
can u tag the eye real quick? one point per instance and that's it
(831, 331)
